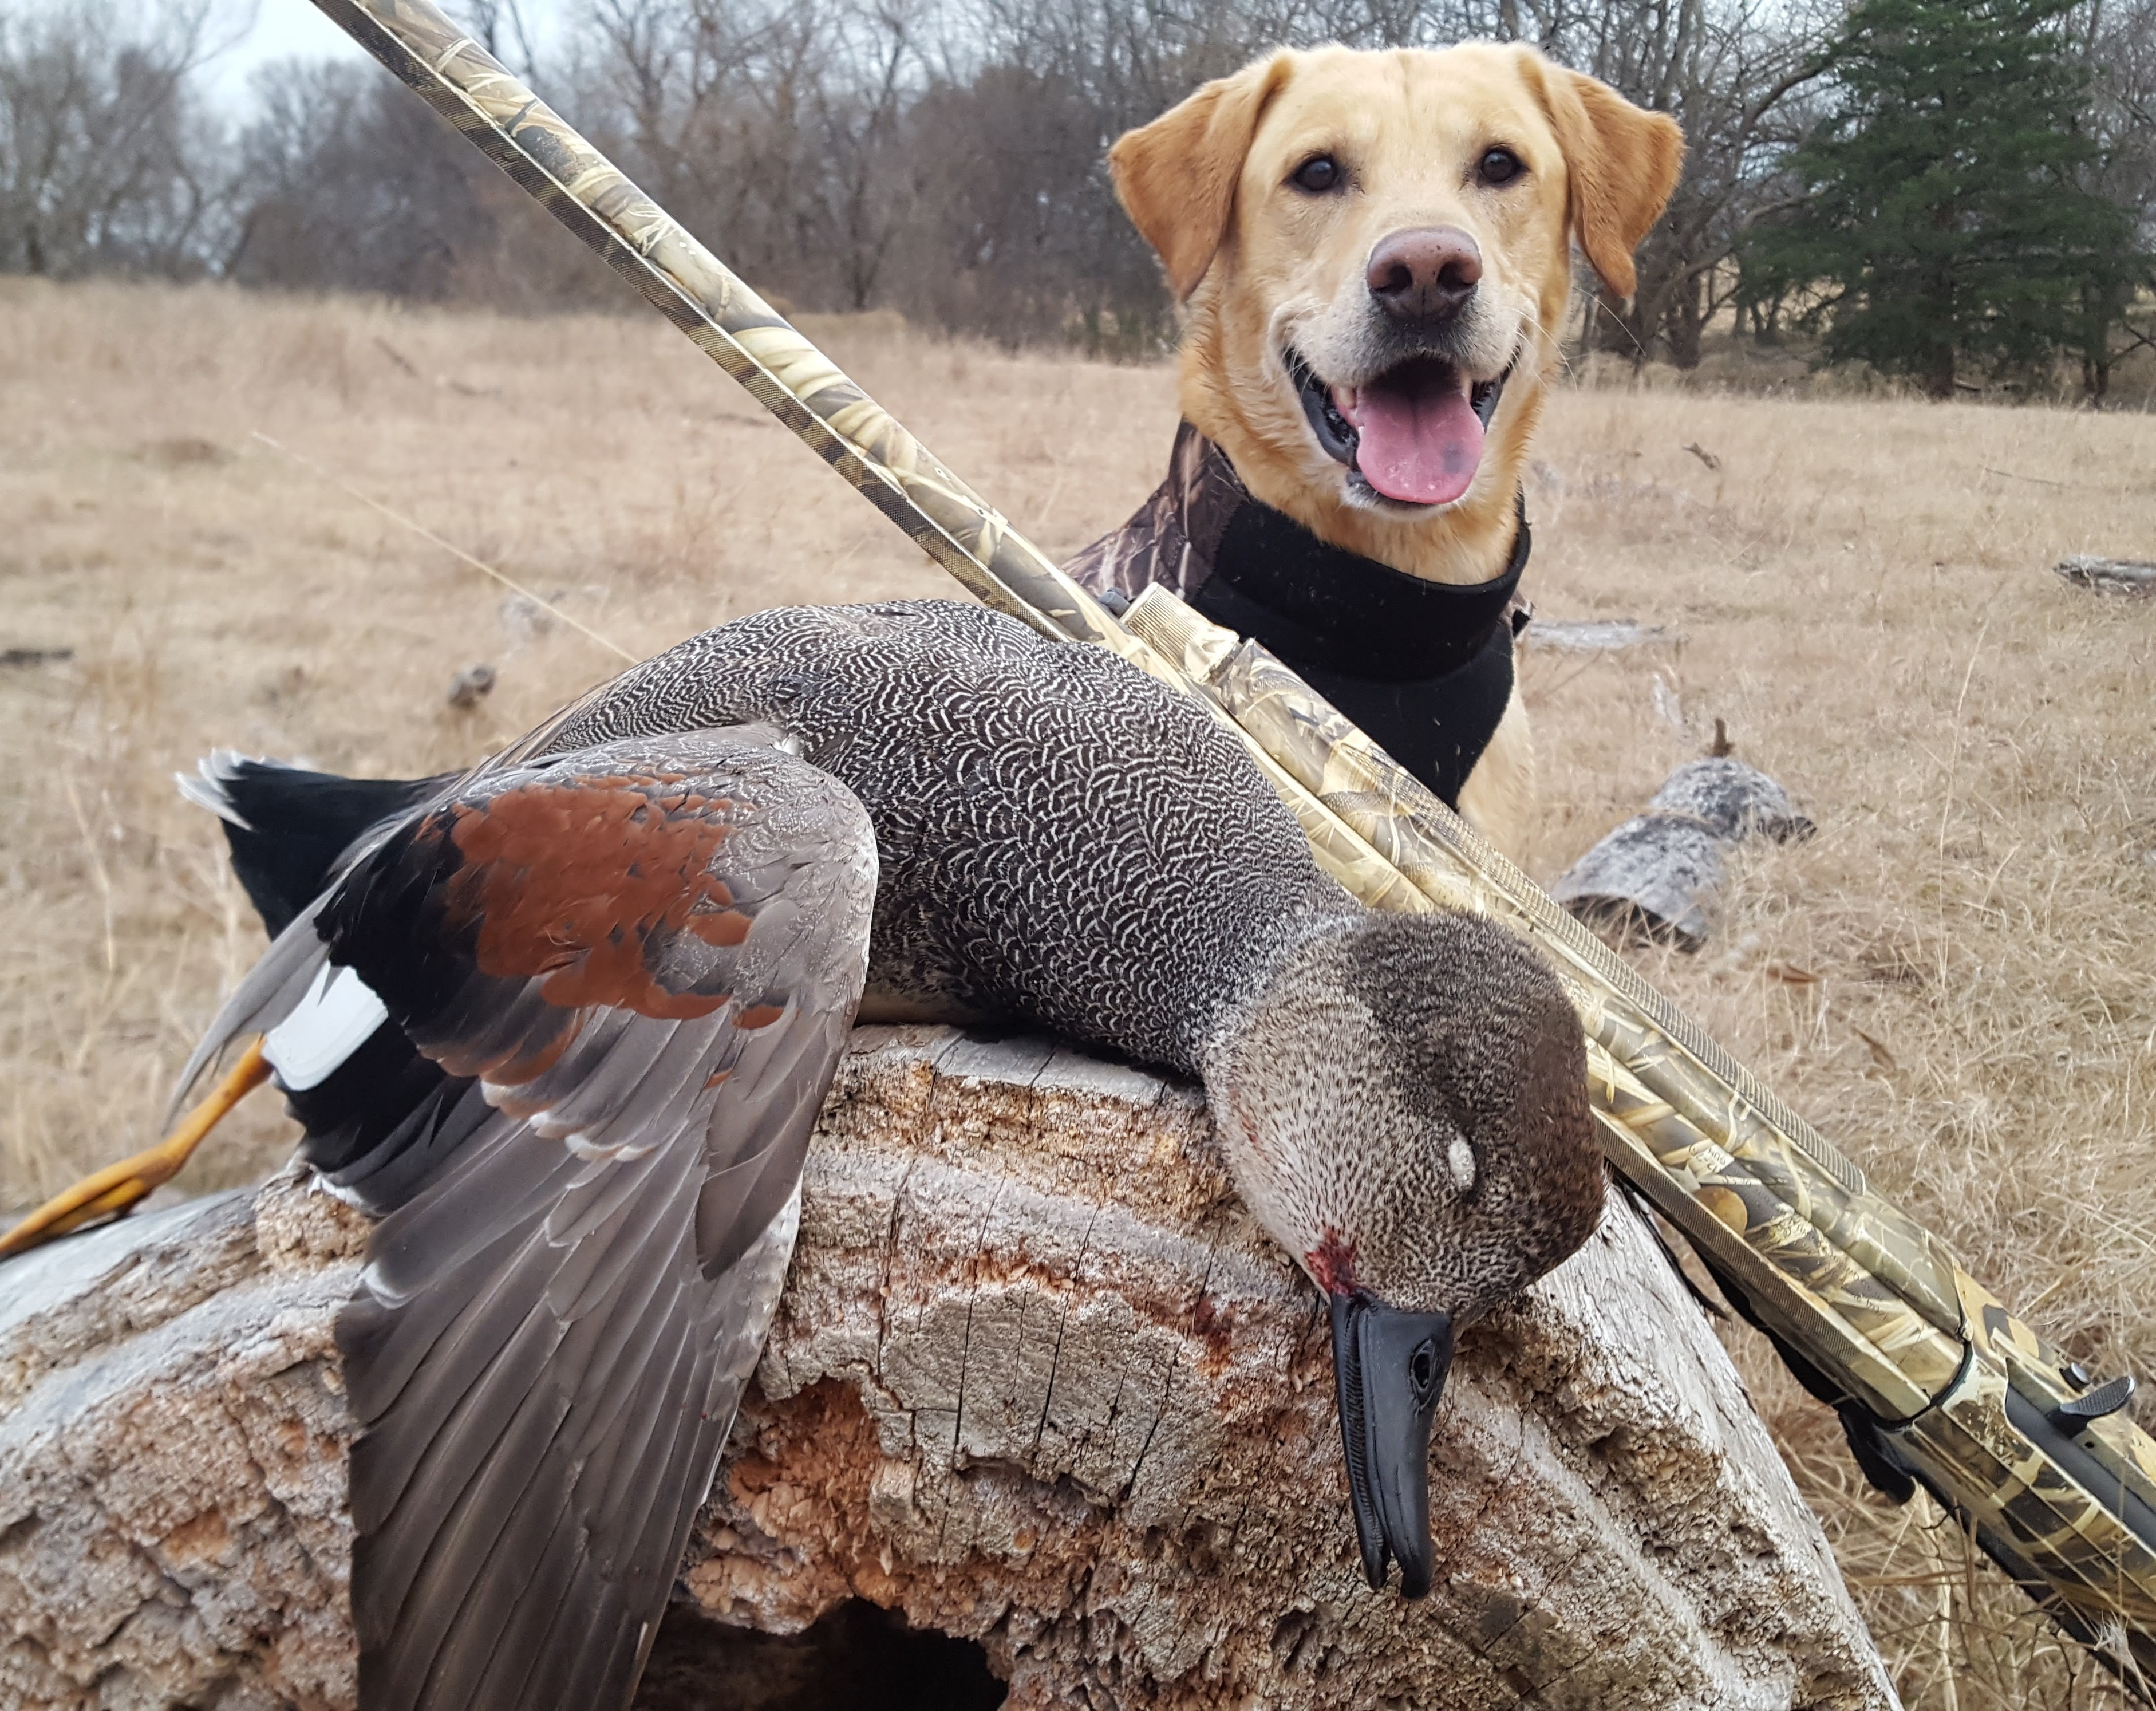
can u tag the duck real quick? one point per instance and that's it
(562, 1025)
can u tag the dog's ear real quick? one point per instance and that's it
(1176, 177)
(1623, 162)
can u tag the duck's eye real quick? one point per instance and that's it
(1317, 175)
(1459, 1159)
(1422, 1370)
(1498, 166)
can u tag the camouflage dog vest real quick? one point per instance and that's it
(1424, 668)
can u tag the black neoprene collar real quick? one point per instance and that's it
(1325, 606)
(1424, 668)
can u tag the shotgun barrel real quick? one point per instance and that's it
(1936, 1383)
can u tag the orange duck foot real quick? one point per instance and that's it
(116, 1189)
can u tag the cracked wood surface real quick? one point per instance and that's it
(1038, 1380)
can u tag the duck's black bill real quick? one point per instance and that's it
(1390, 1368)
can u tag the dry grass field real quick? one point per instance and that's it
(1956, 979)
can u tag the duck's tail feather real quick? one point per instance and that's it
(289, 829)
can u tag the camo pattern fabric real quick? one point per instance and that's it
(1172, 538)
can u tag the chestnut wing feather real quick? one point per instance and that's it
(635, 966)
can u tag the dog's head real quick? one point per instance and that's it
(1375, 252)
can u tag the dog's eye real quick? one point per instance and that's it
(1317, 175)
(1498, 166)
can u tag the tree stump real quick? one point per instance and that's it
(1038, 1382)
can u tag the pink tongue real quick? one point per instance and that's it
(1420, 443)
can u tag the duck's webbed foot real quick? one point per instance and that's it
(116, 1190)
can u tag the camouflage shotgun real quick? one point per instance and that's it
(1936, 1382)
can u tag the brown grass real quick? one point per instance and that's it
(1954, 979)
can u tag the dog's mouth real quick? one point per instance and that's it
(1413, 435)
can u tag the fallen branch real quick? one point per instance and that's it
(2109, 576)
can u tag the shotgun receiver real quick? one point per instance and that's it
(1936, 1382)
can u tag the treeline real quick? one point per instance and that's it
(946, 157)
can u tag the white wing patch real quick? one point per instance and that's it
(330, 1023)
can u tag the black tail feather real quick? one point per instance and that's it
(289, 828)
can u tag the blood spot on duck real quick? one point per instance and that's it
(577, 885)
(1331, 1263)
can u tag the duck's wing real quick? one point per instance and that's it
(612, 989)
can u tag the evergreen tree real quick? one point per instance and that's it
(1942, 220)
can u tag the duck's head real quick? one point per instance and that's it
(1403, 1105)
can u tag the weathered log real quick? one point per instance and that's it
(1038, 1381)
(2109, 576)
(1597, 635)
(1656, 874)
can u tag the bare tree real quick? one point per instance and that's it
(2119, 41)
(348, 180)
(105, 162)
(867, 187)
(1734, 73)
(944, 156)
(351, 182)
(1741, 82)
(1739, 75)
(709, 104)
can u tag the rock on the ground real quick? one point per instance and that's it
(1038, 1381)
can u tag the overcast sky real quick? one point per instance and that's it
(264, 30)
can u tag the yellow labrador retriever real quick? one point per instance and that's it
(1374, 254)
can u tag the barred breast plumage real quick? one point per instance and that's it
(1059, 838)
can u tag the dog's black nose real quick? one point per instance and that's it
(1425, 275)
